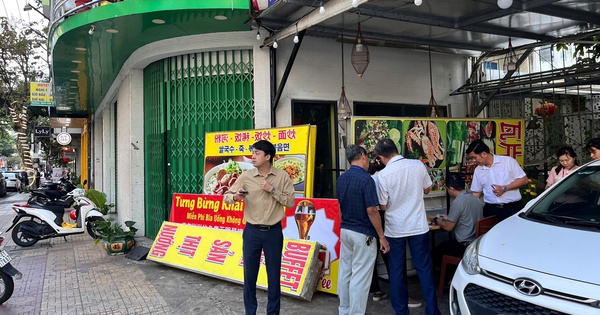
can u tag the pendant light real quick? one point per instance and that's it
(432, 107)
(360, 52)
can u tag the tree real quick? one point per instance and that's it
(19, 66)
(586, 51)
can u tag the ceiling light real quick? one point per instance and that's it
(258, 34)
(220, 17)
(75, 71)
(275, 45)
(81, 48)
(158, 21)
(74, 80)
(322, 9)
(505, 4)
(76, 61)
(354, 3)
(92, 30)
(111, 30)
(418, 2)
(296, 39)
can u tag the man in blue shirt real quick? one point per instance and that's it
(361, 223)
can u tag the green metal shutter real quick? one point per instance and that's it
(203, 92)
(154, 144)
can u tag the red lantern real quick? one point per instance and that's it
(545, 109)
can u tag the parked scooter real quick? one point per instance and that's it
(7, 272)
(54, 195)
(47, 222)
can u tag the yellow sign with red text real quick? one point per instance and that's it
(229, 153)
(218, 253)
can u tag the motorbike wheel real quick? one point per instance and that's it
(91, 227)
(21, 238)
(7, 286)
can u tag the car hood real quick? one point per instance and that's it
(566, 252)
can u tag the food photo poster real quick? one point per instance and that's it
(441, 144)
(229, 154)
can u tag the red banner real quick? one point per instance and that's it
(313, 219)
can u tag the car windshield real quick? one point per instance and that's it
(574, 201)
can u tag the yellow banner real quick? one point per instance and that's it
(218, 253)
(289, 140)
(40, 94)
(229, 153)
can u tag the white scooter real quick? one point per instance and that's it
(7, 272)
(47, 222)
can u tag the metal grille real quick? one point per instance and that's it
(154, 143)
(483, 301)
(185, 97)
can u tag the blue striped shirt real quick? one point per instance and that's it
(356, 192)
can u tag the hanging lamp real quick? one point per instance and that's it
(510, 60)
(344, 111)
(432, 107)
(360, 52)
(343, 103)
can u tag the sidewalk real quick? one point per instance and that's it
(74, 277)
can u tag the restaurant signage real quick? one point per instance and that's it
(441, 143)
(313, 219)
(229, 153)
(218, 253)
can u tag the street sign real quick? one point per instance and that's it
(42, 131)
(63, 138)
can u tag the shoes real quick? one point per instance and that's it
(379, 295)
(411, 303)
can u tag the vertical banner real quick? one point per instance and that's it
(229, 153)
(441, 143)
(314, 219)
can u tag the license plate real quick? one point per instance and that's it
(4, 258)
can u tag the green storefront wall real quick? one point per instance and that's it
(185, 97)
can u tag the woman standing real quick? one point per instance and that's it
(567, 159)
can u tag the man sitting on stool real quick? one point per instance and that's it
(462, 218)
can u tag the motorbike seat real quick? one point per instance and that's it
(57, 210)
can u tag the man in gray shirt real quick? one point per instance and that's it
(462, 218)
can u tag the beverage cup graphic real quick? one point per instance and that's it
(305, 216)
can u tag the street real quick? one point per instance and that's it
(74, 277)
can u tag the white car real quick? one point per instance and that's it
(543, 260)
(12, 181)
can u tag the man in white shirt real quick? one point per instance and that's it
(401, 187)
(499, 178)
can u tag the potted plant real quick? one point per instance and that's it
(99, 199)
(115, 239)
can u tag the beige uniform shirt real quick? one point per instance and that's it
(261, 206)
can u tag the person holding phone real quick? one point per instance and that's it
(266, 191)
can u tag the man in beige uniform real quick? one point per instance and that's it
(266, 190)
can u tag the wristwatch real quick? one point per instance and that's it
(505, 188)
(272, 190)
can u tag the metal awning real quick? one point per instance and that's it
(458, 26)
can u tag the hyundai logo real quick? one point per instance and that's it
(527, 287)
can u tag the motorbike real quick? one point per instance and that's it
(53, 194)
(7, 272)
(32, 224)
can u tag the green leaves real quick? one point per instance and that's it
(99, 199)
(111, 229)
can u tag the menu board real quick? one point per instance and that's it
(229, 153)
(441, 143)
